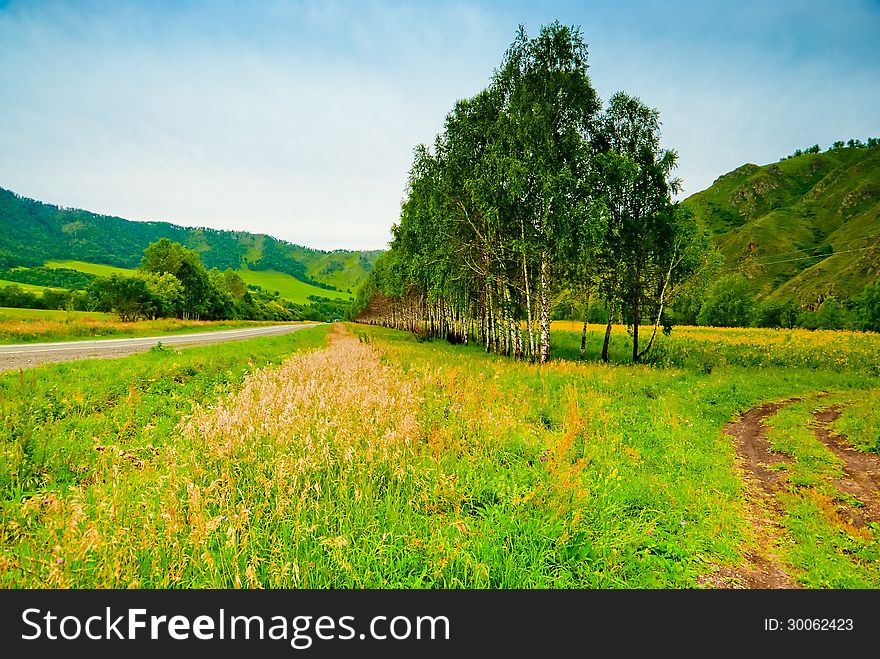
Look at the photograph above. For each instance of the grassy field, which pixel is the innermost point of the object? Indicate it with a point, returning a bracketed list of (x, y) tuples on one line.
[(98, 269), (368, 458), (11, 313), (40, 325), (346, 272), (287, 286), (705, 348)]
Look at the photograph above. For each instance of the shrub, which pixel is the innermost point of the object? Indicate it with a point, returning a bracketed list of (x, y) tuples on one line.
[(728, 304)]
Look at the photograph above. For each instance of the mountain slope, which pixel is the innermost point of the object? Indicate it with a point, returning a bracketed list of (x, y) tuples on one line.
[(32, 233), (804, 228)]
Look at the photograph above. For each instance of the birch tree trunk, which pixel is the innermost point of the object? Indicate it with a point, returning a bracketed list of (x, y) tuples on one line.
[(545, 309)]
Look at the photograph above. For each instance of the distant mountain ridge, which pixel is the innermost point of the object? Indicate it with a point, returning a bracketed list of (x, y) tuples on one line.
[(804, 228), (33, 232)]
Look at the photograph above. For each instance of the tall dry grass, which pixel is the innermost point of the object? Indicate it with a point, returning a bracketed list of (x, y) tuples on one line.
[(245, 492)]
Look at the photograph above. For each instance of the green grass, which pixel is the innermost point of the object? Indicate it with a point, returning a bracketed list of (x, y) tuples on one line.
[(68, 426), (860, 420), (12, 313), (824, 548), (54, 412), (98, 269), (288, 287), (508, 475)]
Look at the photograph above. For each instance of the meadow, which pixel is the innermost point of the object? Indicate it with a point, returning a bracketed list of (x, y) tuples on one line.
[(97, 269), (288, 287), (356, 456), (707, 347)]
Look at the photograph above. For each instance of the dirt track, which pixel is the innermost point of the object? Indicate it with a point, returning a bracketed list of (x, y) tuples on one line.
[(27, 355), (762, 567)]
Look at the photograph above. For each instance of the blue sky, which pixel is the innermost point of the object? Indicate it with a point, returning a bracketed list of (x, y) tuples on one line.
[(298, 119)]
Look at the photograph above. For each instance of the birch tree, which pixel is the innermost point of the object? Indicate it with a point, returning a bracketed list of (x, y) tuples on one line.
[(650, 243), (551, 105)]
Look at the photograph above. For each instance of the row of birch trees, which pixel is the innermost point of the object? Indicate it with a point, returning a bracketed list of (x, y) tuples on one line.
[(532, 188)]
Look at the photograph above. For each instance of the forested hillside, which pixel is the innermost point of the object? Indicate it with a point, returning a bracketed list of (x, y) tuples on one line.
[(32, 232)]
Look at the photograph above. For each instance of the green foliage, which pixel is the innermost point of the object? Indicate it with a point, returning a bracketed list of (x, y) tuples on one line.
[(777, 313), (728, 303), (868, 308), (17, 296), (651, 245), (531, 190), (127, 297), (48, 277), (167, 293), (831, 315)]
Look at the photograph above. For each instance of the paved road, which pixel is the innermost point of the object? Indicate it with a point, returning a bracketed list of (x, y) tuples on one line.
[(25, 355)]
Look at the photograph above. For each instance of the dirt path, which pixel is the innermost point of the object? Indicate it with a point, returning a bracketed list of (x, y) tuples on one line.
[(763, 568), (755, 462), (27, 355), (862, 470)]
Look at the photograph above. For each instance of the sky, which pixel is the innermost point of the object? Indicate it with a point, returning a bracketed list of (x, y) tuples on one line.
[(298, 119)]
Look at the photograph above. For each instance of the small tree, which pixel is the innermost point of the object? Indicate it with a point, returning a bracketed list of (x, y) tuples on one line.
[(167, 292), (729, 303), (164, 256), (832, 315), (867, 306), (777, 313), (127, 297), (650, 244)]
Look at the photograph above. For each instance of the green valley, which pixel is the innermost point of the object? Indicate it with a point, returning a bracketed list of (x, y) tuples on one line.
[(32, 233)]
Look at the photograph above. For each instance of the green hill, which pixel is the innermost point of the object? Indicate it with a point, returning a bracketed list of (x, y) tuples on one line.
[(288, 287), (804, 228), (32, 233)]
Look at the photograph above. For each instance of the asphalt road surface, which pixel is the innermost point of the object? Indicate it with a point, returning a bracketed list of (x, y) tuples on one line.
[(26, 355)]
